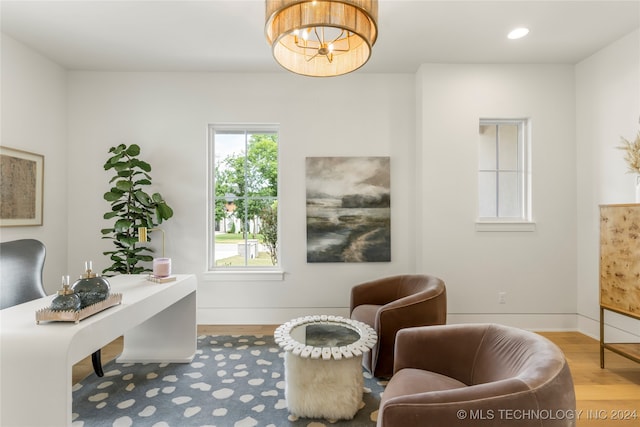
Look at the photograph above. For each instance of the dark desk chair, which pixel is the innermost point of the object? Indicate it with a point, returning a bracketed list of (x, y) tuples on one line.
[(21, 265)]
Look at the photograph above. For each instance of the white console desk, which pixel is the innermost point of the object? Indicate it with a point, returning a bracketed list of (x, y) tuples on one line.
[(158, 321)]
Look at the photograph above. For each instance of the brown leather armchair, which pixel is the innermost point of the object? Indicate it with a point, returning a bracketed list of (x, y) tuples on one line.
[(394, 303), (477, 375)]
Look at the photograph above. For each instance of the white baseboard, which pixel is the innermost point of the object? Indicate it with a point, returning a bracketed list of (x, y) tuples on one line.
[(617, 328), (542, 322), (261, 316), (274, 316)]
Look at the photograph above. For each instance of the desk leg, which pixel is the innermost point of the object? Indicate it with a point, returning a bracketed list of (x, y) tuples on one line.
[(170, 336), (35, 386)]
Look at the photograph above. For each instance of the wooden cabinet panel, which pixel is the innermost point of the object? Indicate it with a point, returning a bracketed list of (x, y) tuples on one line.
[(620, 258), (619, 271)]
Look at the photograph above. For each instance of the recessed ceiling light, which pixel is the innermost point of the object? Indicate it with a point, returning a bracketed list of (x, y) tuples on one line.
[(518, 33)]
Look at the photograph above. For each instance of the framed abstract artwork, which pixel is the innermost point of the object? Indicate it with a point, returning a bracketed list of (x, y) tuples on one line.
[(348, 209), (21, 187)]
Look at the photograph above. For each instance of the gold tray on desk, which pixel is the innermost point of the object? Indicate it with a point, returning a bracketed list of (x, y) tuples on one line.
[(48, 315)]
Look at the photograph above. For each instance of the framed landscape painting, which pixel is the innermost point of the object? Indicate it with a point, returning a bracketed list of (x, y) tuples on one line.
[(348, 209), (21, 187)]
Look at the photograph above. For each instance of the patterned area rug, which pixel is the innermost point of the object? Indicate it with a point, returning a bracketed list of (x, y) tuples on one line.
[(233, 381)]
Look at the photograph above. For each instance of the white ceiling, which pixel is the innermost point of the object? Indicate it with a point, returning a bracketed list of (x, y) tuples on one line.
[(228, 35)]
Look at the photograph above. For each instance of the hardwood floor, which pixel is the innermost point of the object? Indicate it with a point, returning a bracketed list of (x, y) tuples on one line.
[(605, 397), (608, 397)]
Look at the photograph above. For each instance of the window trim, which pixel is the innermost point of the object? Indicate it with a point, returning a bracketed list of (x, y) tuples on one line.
[(246, 275), (505, 226), (525, 221), (242, 273)]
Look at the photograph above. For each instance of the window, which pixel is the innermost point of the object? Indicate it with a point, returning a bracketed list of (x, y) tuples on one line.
[(503, 177), (243, 197)]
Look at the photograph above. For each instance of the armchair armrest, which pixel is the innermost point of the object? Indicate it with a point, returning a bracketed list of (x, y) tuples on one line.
[(491, 393), (488, 404), (421, 309)]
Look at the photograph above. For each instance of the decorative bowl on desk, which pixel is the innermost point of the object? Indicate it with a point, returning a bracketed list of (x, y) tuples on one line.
[(90, 287), (66, 299)]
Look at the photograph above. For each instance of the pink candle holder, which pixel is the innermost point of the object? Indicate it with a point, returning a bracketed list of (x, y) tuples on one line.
[(162, 267)]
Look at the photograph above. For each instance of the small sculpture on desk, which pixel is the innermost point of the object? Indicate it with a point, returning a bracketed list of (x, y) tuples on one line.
[(67, 299), (91, 288)]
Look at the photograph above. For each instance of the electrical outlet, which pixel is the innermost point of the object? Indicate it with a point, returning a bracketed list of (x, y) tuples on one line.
[(502, 297)]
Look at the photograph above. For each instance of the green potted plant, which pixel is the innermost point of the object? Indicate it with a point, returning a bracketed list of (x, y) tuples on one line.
[(131, 207)]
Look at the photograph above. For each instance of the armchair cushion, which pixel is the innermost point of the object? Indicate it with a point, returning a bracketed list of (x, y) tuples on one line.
[(411, 381)]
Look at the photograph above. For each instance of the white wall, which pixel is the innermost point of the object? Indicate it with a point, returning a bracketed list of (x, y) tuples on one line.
[(607, 108), (549, 274), (34, 119), (536, 269), (168, 113)]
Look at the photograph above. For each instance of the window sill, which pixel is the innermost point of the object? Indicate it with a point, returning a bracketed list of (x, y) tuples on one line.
[(505, 226), (243, 276)]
